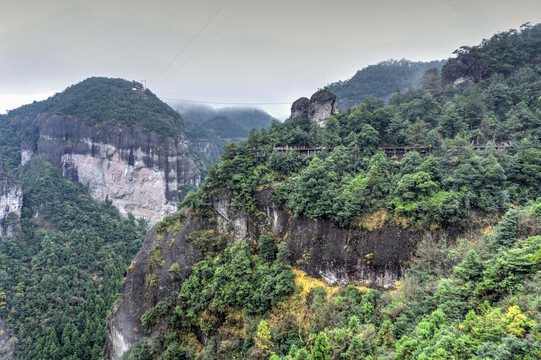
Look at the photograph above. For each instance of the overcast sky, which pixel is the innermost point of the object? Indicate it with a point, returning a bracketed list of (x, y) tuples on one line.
[(231, 51)]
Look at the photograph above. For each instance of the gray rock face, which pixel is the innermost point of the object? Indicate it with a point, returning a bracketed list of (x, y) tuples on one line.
[(299, 107), (148, 281), (139, 173), (320, 106), (321, 249), (209, 149), (11, 202)]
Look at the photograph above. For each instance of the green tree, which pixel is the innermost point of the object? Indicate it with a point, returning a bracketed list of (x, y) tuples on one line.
[(321, 348)]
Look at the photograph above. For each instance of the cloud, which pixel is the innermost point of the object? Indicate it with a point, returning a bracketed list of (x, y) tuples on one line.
[(250, 50)]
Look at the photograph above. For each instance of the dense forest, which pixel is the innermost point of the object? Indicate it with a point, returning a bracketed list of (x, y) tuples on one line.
[(61, 276), (475, 158)]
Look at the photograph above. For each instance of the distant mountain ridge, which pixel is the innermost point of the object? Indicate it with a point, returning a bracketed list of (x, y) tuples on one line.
[(381, 81), (227, 123)]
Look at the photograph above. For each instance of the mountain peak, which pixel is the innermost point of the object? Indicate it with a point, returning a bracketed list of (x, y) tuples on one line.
[(101, 99)]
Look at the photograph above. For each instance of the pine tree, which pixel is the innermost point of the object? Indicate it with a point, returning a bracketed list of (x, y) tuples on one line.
[(321, 348)]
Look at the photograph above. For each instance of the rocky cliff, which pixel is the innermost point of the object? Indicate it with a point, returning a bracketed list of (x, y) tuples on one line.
[(148, 281), (321, 105), (116, 138), (338, 256), (139, 173), (11, 202)]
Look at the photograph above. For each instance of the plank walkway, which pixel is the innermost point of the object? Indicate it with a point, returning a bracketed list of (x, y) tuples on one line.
[(390, 151)]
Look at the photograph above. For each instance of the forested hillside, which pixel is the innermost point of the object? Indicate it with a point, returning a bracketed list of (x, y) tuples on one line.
[(61, 276), (100, 99), (381, 81), (473, 161)]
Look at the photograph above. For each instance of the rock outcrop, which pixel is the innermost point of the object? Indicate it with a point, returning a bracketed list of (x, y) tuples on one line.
[(148, 281), (299, 107), (11, 202), (338, 256), (139, 172), (321, 105), (210, 149)]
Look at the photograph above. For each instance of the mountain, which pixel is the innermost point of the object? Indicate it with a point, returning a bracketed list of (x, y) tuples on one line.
[(506, 53), (65, 246), (209, 130), (115, 137), (226, 123), (407, 230), (381, 81)]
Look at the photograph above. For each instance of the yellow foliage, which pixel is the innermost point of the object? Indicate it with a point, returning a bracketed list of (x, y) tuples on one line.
[(132, 266), (369, 333), (306, 283), (234, 325), (373, 221), (517, 321), (401, 221), (192, 341), (263, 338), (434, 226), (488, 230)]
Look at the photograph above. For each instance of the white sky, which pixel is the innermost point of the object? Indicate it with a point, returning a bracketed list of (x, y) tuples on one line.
[(233, 51)]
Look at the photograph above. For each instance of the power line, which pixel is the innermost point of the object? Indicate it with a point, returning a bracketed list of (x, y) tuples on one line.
[(202, 27), (227, 103), (213, 34)]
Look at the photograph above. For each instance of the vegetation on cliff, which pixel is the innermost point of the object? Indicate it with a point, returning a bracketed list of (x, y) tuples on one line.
[(475, 149), (476, 299), (10, 144), (472, 152), (504, 53), (60, 278)]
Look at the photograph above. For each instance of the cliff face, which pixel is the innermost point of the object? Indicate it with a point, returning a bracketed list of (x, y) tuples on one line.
[(139, 172), (321, 105), (210, 150), (148, 281), (338, 256), (11, 202)]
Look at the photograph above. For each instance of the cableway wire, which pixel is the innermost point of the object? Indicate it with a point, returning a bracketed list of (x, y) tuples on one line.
[(202, 27), (226, 103), (212, 35)]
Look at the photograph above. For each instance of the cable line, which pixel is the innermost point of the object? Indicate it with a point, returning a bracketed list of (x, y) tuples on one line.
[(226, 103), (202, 27)]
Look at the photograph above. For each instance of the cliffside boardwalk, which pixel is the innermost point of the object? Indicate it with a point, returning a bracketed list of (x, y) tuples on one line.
[(390, 151)]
